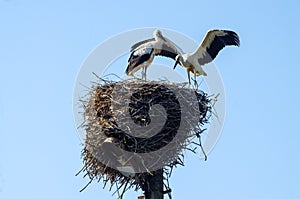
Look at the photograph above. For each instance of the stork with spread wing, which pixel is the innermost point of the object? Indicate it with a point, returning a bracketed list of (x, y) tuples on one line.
[(143, 53), (212, 44)]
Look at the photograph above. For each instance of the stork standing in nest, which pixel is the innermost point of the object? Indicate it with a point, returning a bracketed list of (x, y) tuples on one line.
[(143, 52), (212, 44)]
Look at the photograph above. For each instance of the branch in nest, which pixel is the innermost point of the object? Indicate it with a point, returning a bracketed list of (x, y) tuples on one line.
[(100, 123)]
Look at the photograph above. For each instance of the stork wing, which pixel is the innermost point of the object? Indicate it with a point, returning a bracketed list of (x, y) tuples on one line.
[(137, 58), (213, 43), (169, 49), (138, 44)]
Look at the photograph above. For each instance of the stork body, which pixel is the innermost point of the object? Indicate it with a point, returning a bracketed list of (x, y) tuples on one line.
[(143, 53), (141, 58), (191, 64), (212, 44)]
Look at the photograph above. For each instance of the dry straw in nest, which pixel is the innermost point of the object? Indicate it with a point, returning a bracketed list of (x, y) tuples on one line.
[(119, 112)]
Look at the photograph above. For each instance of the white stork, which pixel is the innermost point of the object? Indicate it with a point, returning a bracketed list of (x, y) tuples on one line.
[(212, 44), (144, 51)]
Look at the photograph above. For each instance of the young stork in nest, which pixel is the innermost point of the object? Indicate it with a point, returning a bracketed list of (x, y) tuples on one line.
[(143, 52), (212, 44)]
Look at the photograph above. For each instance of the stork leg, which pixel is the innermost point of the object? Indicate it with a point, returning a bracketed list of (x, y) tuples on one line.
[(145, 72), (195, 81), (189, 78), (144, 68)]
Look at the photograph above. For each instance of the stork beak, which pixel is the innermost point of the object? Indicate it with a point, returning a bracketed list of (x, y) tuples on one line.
[(175, 64)]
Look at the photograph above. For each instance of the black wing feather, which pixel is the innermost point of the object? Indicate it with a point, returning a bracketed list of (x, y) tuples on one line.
[(136, 60), (168, 52), (219, 42), (136, 45)]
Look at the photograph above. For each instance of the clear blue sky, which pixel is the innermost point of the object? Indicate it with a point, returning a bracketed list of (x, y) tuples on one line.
[(43, 44)]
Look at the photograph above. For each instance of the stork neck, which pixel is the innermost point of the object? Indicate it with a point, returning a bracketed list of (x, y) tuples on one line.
[(184, 61), (185, 57), (157, 37)]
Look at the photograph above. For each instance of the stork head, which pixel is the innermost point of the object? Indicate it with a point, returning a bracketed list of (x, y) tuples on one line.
[(178, 60), (157, 34)]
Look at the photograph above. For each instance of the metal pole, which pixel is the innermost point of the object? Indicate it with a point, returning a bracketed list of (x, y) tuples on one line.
[(154, 188)]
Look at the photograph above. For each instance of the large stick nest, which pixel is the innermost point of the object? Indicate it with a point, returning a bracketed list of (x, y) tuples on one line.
[(119, 112)]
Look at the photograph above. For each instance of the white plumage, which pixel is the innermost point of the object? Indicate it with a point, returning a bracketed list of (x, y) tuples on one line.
[(144, 51), (212, 44)]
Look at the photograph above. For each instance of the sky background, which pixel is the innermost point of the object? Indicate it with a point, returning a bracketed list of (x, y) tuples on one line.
[(44, 43)]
